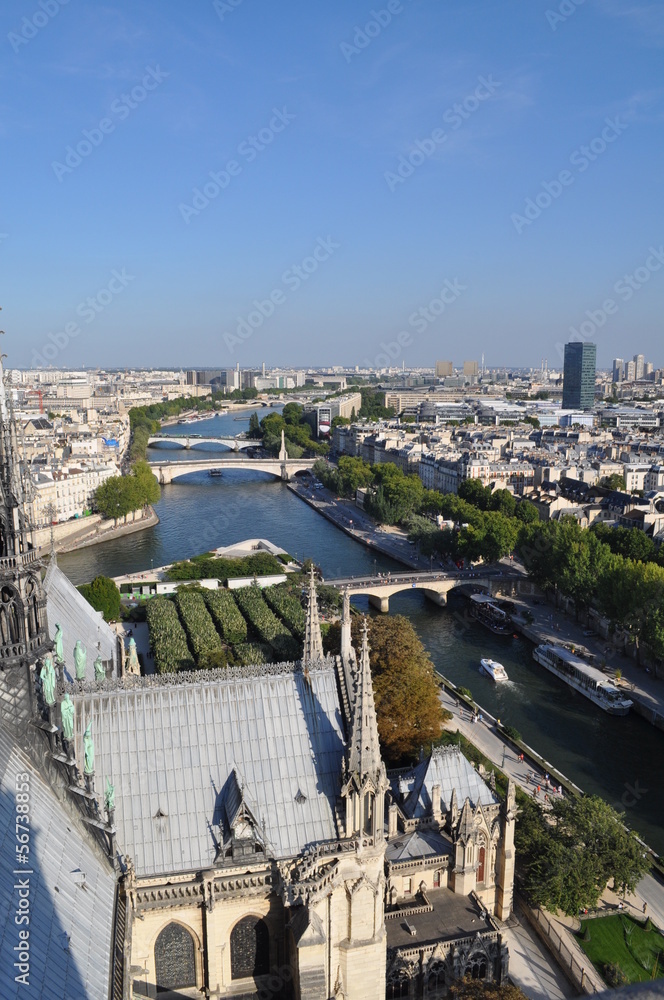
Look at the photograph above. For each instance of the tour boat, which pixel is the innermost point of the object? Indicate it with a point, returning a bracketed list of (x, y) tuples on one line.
[(487, 611), (216, 472), (587, 680), (496, 671)]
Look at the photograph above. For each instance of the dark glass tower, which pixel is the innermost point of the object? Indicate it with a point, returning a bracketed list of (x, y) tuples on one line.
[(579, 376)]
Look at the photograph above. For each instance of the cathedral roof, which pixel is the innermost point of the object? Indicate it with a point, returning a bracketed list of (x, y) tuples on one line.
[(170, 745), (79, 620), (448, 768), (72, 894)]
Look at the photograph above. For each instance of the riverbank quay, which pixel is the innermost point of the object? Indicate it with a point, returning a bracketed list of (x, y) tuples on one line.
[(359, 526), (530, 772), (95, 530)]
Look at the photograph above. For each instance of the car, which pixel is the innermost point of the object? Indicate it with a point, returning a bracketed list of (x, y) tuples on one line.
[(590, 634)]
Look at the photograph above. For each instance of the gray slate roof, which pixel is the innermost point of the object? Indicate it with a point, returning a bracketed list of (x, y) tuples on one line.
[(79, 620), (171, 745), (448, 768), (420, 844), (71, 895)]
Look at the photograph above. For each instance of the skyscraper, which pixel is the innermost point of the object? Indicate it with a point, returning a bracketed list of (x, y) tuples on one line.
[(579, 376), (618, 369), (639, 363)]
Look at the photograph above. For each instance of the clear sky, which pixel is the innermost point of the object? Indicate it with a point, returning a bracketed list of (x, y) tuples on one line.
[(470, 175)]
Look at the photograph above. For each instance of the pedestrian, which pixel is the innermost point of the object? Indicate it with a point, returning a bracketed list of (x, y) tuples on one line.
[(645, 907), (546, 797), (539, 789)]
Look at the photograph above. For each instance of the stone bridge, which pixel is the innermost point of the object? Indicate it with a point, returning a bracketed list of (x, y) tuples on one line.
[(168, 472), (191, 440), (436, 586)]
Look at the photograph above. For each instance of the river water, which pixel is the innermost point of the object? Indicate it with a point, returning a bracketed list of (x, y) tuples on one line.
[(618, 758)]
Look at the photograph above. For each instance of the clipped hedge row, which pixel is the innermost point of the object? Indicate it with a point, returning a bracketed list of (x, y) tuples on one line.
[(167, 637), (226, 616), (265, 623), (203, 636), (287, 607)]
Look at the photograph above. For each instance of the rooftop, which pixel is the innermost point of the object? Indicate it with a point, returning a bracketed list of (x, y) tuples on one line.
[(452, 917)]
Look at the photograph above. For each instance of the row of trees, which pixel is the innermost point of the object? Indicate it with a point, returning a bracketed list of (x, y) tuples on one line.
[(564, 558), (121, 495)]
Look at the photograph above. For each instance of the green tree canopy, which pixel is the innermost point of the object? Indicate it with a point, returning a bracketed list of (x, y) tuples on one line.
[(104, 596)]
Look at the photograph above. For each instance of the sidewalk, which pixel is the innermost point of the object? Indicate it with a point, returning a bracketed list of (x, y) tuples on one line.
[(532, 966)]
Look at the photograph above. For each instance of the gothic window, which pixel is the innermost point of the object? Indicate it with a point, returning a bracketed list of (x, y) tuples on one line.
[(477, 967), (436, 979), (436, 879), (3, 539), (481, 866), (368, 813), (9, 623), (407, 886), (33, 613), (398, 989), (175, 958), (250, 949)]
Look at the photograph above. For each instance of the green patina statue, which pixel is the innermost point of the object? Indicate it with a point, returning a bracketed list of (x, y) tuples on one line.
[(133, 666), (67, 713), (47, 677), (89, 750), (100, 672), (59, 644), (109, 797), (80, 660)]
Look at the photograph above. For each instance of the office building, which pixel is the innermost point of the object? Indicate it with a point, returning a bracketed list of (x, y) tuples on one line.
[(579, 376), (618, 369), (470, 368), (444, 369), (639, 364)]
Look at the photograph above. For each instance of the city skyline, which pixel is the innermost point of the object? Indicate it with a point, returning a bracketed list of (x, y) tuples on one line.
[(441, 176)]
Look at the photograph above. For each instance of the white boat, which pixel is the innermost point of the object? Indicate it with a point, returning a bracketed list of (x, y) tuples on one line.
[(496, 671), (587, 680)]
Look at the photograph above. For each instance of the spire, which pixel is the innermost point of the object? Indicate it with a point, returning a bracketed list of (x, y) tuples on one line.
[(346, 641), (283, 454), (364, 752), (14, 489), (313, 640)]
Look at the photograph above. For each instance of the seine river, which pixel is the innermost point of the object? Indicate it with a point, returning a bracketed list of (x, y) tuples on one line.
[(619, 759)]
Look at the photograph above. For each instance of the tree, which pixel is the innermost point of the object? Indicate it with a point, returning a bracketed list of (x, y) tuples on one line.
[(410, 715), (475, 493), (613, 482), (569, 858), (503, 501), (526, 512), (104, 596), (254, 426)]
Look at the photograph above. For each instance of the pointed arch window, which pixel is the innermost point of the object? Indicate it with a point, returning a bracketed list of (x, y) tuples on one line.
[(250, 949), (9, 617), (175, 958), (482, 864)]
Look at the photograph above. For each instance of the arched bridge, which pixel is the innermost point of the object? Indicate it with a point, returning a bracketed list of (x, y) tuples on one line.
[(436, 586), (192, 440), (167, 472)]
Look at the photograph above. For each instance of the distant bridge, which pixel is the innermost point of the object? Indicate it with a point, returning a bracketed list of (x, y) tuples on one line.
[(191, 440), (282, 468), (436, 586)]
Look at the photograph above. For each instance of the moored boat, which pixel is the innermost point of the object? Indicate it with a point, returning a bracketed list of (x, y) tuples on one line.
[(587, 680), (487, 611)]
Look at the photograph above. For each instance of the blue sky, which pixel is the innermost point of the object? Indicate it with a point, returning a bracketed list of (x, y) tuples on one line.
[(109, 257)]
